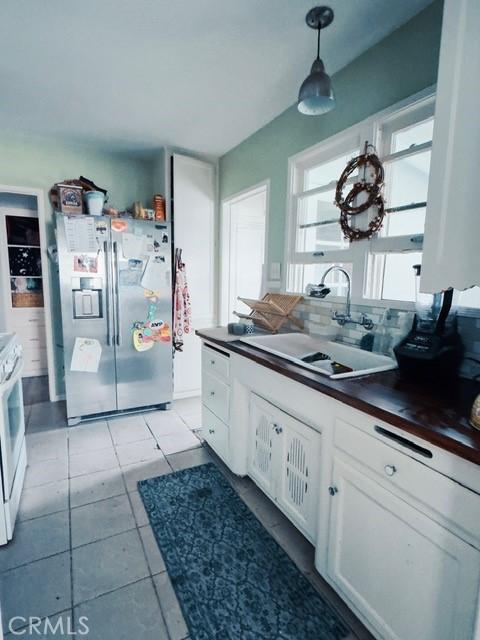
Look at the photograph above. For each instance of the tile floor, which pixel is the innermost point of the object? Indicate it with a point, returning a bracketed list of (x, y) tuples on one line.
[(83, 547)]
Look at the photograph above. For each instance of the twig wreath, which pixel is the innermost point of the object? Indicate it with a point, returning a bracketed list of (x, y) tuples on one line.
[(348, 206)]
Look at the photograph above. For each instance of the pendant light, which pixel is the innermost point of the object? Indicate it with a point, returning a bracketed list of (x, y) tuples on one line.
[(316, 96)]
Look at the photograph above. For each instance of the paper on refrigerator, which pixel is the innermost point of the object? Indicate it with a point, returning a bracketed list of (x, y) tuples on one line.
[(86, 355), (156, 275), (133, 246), (80, 234)]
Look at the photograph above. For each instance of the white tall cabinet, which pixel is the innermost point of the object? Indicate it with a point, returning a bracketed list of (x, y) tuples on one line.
[(193, 212), (452, 230)]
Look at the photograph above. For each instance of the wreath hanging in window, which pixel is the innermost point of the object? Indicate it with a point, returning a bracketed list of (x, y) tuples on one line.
[(348, 206)]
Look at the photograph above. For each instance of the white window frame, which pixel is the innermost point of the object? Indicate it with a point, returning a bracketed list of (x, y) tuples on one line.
[(377, 129)]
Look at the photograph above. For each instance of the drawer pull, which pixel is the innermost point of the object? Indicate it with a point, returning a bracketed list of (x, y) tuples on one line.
[(212, 431), (332, 490), (390, 469), (212, 361), (212, 393), (404, 442)]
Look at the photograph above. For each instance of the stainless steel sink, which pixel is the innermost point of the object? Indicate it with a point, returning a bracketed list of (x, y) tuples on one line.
[(329, 358)]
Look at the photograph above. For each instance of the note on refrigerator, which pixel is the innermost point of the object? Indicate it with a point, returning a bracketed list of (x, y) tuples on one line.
[(156, 275), (80, 234), (133, 246), (86, 355)]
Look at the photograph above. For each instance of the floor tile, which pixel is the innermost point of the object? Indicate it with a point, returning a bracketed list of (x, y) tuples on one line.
[(47, 471), (193, 419), (133, 473), (36, 539), (46, 416), (100, 460), (141, 451), (106, 565), (96, 486), (130, 612), (176, 625), (187, 459), (46, 446), (139, 512), (24, 593), (89, 437), (41, 501), (188, 405), (176, 442), (154, 556), (164, 422), (101, 520), (131, 428), (35, 389)]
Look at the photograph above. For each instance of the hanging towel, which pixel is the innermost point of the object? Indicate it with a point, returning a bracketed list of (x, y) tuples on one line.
[(181, 303)]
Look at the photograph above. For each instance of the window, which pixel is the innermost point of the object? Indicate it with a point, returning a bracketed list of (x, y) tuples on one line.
[(380, 268)]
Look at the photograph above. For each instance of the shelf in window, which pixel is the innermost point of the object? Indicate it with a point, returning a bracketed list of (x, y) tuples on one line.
[(406, 207), (405, 153), (25, 246)]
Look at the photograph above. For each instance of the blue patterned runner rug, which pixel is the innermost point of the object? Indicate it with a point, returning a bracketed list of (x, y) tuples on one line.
[(232, 579)]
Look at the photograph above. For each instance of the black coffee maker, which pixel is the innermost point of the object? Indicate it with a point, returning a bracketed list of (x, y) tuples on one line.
[(432, 350)]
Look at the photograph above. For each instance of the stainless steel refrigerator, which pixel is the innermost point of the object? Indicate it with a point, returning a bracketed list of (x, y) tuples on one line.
[(116, 298)]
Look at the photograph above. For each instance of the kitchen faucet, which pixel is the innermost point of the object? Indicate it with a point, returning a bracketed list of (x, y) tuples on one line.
[(322, 290)]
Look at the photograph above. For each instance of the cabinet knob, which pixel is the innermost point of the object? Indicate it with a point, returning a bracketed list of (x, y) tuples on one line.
[(277, 428), (211, 431), (212, 393), (212, 361), (390, 469), (332, 490)]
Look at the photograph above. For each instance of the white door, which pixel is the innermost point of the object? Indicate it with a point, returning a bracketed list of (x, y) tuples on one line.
[(193, 229), (409, 576), (297, 488), (243, 250), (262, 433)]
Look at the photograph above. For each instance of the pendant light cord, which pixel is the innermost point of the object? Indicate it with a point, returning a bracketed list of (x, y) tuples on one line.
[(318, 43)]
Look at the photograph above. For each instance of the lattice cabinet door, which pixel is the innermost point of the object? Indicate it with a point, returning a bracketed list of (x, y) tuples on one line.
[(262, 433), (297, 489)]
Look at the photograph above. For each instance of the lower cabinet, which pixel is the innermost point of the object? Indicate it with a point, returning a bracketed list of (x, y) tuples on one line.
[(284, 459), (408, 575)]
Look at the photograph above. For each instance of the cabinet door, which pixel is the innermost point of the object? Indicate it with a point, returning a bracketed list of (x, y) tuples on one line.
[(299, 455), (260, 463), (409, 577)]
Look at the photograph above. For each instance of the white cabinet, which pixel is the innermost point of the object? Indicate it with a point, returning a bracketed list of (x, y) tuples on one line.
[(284, 459), (452, 228), (406, 574), (216, 399)]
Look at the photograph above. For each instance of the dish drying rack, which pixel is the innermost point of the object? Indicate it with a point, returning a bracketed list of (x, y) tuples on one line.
[(272, 311)]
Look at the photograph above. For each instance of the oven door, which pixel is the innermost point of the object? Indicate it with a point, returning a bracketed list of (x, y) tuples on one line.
[(12, 427)]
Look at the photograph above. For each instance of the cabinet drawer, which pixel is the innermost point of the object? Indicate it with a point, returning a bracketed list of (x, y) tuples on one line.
[(26, 319), (32, 337), (215, 362), (454, 503), (215, 433), (216, 396)]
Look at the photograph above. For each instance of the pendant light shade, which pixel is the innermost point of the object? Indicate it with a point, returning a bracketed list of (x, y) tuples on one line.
[(316, 95)]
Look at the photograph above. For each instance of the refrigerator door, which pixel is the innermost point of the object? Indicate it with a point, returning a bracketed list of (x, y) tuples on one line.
[(87, 319), (142, 267)]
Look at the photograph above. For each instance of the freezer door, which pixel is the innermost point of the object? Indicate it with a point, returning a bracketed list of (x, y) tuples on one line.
[(143, 342), (86, 300)]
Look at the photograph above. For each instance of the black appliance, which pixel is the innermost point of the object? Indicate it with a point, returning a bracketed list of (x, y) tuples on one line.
[(433, 349)]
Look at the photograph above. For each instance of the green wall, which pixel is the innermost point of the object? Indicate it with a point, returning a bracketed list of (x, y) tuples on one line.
[(40, 162), (399, 66)]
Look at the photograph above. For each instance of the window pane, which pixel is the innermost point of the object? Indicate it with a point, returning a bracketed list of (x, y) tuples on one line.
[(391, 276), (470, 298), (414, 135), (402, 223), (407, 180), (325, 173), (319, 227), (313, 274)]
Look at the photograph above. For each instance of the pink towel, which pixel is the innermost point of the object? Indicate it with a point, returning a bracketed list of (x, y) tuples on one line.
[(181, 303)]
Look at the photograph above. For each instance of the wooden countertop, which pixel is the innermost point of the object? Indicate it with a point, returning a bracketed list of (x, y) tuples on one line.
[(436, 414)]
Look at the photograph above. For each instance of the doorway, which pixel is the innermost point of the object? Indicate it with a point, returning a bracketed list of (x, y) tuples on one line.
[(243, 252)]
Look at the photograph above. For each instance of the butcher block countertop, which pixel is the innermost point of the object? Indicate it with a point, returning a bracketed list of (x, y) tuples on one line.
[(437, 414)]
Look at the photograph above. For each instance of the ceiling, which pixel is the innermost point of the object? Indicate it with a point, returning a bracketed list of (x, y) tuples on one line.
[(202, 75)]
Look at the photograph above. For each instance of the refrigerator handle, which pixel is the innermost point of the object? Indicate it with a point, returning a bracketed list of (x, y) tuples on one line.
[(108, 302), (117, 295)]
